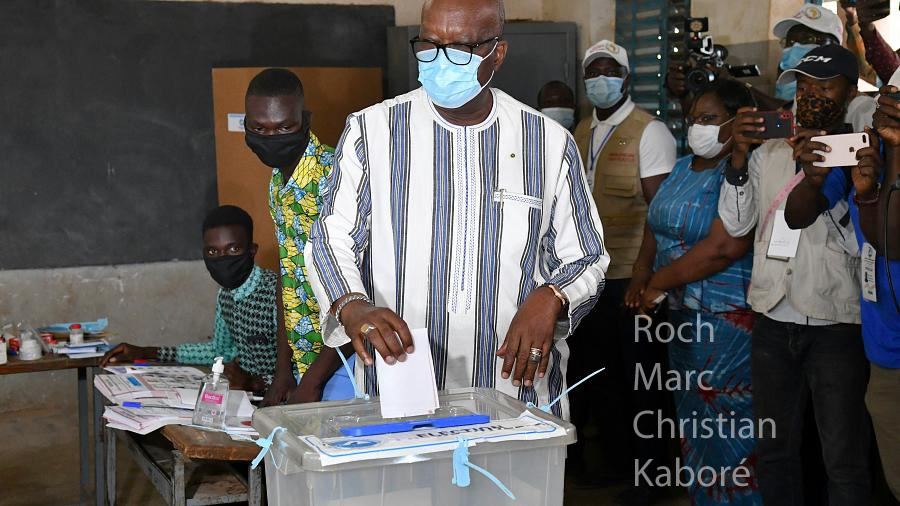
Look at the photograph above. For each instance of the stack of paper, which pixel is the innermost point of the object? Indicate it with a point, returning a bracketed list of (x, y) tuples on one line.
[(123, 387), (154, 413), (87, 349), (156, 396), (408, 388), (145, 420)]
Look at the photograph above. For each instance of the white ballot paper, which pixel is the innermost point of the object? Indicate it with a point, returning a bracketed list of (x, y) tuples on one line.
[(784, 242), (408, 388)]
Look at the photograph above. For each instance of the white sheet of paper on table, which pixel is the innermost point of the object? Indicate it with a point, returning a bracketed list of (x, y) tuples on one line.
[(408, 388)]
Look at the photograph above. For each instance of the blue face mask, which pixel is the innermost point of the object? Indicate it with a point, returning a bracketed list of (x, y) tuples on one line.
[(603, 91), (565, 116), (791, 56), (450, 85), (786, 91)]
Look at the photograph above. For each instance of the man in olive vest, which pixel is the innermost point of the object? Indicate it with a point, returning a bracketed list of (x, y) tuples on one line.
[(627, 153)]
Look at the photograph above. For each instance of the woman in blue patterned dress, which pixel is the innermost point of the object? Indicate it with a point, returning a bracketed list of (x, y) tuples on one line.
[(706, 274)]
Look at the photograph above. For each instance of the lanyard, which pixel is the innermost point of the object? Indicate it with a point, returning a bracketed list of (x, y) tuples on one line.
[(782, 195), (595, 154)]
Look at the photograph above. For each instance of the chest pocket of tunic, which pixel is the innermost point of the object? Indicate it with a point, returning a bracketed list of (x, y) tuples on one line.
[(506, 197)]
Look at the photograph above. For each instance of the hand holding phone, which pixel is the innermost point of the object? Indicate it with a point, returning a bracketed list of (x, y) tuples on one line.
[(747, 124), (808, 152), (887, 117), (777, 125), (843, 149)]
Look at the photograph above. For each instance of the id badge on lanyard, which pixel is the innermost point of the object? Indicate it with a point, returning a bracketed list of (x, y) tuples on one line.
[(867, 272), (784, 241)]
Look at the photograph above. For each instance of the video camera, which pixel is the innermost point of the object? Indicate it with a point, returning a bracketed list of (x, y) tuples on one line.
[(708, 56)]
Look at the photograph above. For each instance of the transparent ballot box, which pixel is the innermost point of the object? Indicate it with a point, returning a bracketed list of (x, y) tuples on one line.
[(312, 463)]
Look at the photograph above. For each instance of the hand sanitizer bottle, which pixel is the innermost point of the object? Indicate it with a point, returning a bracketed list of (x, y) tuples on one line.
[(213, 397)]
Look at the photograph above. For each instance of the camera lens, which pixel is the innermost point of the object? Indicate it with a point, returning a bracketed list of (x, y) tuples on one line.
[(699, 78)]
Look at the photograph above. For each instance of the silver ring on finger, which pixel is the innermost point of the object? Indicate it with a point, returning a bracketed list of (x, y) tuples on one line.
[(535, 355)]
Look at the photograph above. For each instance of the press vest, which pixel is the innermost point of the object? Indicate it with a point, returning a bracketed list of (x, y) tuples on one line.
[(617, 189), (822, 280)]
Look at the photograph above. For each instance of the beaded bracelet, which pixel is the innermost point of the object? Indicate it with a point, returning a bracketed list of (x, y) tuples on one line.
[(870, 202)]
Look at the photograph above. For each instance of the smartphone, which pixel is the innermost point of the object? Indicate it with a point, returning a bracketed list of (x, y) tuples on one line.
[(779, 125), (744, 71), (843, 149)]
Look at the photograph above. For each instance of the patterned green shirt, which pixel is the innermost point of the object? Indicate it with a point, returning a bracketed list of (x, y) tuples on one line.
[(294, 207), (246, 327)]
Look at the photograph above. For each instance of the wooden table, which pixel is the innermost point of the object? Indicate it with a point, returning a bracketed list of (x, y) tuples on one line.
[(57, 363), (169, 467)]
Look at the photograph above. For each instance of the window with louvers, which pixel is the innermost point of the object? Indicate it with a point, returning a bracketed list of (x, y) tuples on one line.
[(652, 31)]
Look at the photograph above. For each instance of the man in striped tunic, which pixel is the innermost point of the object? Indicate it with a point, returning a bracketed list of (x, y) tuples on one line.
[(458, 209)]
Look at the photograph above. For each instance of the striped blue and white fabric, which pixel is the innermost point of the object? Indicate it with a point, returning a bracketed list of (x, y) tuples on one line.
[(452, 228)]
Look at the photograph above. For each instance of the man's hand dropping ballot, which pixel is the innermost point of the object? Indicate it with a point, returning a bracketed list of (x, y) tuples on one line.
[(408, 388)]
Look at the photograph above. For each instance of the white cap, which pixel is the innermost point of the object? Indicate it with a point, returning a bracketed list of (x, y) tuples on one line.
[(606, 49), (218, 367), (815, 17)]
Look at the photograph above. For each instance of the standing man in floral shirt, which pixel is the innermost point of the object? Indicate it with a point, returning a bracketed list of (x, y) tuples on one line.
[(278, 131)]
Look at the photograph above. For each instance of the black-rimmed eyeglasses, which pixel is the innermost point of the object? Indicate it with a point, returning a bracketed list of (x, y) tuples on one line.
[(427, 51)]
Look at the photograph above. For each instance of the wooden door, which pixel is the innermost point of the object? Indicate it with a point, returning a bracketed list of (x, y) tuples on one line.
[(331, 94)]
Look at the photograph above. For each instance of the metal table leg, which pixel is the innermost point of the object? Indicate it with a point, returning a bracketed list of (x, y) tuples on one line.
[(254, 486), (83, 435), (99, 449), (110, 438), (178, 498)]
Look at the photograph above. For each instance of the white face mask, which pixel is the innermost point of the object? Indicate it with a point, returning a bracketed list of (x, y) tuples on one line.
[(565, 116), (704, 139)]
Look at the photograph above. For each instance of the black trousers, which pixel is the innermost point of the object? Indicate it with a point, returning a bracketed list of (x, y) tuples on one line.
[(603, 408), (790, 364)]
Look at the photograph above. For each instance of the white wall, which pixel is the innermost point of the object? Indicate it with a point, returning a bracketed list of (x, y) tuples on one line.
[(596, 19)]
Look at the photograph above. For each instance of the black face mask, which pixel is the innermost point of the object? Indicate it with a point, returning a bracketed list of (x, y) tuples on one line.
[(281, 151), (230, 271)]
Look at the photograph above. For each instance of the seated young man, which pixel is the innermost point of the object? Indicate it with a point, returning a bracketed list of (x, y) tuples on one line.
[(245, 327)]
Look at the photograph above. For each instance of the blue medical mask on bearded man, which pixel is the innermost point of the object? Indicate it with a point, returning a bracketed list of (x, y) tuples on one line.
[(604, 91), (450, 85), (790, 58)]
